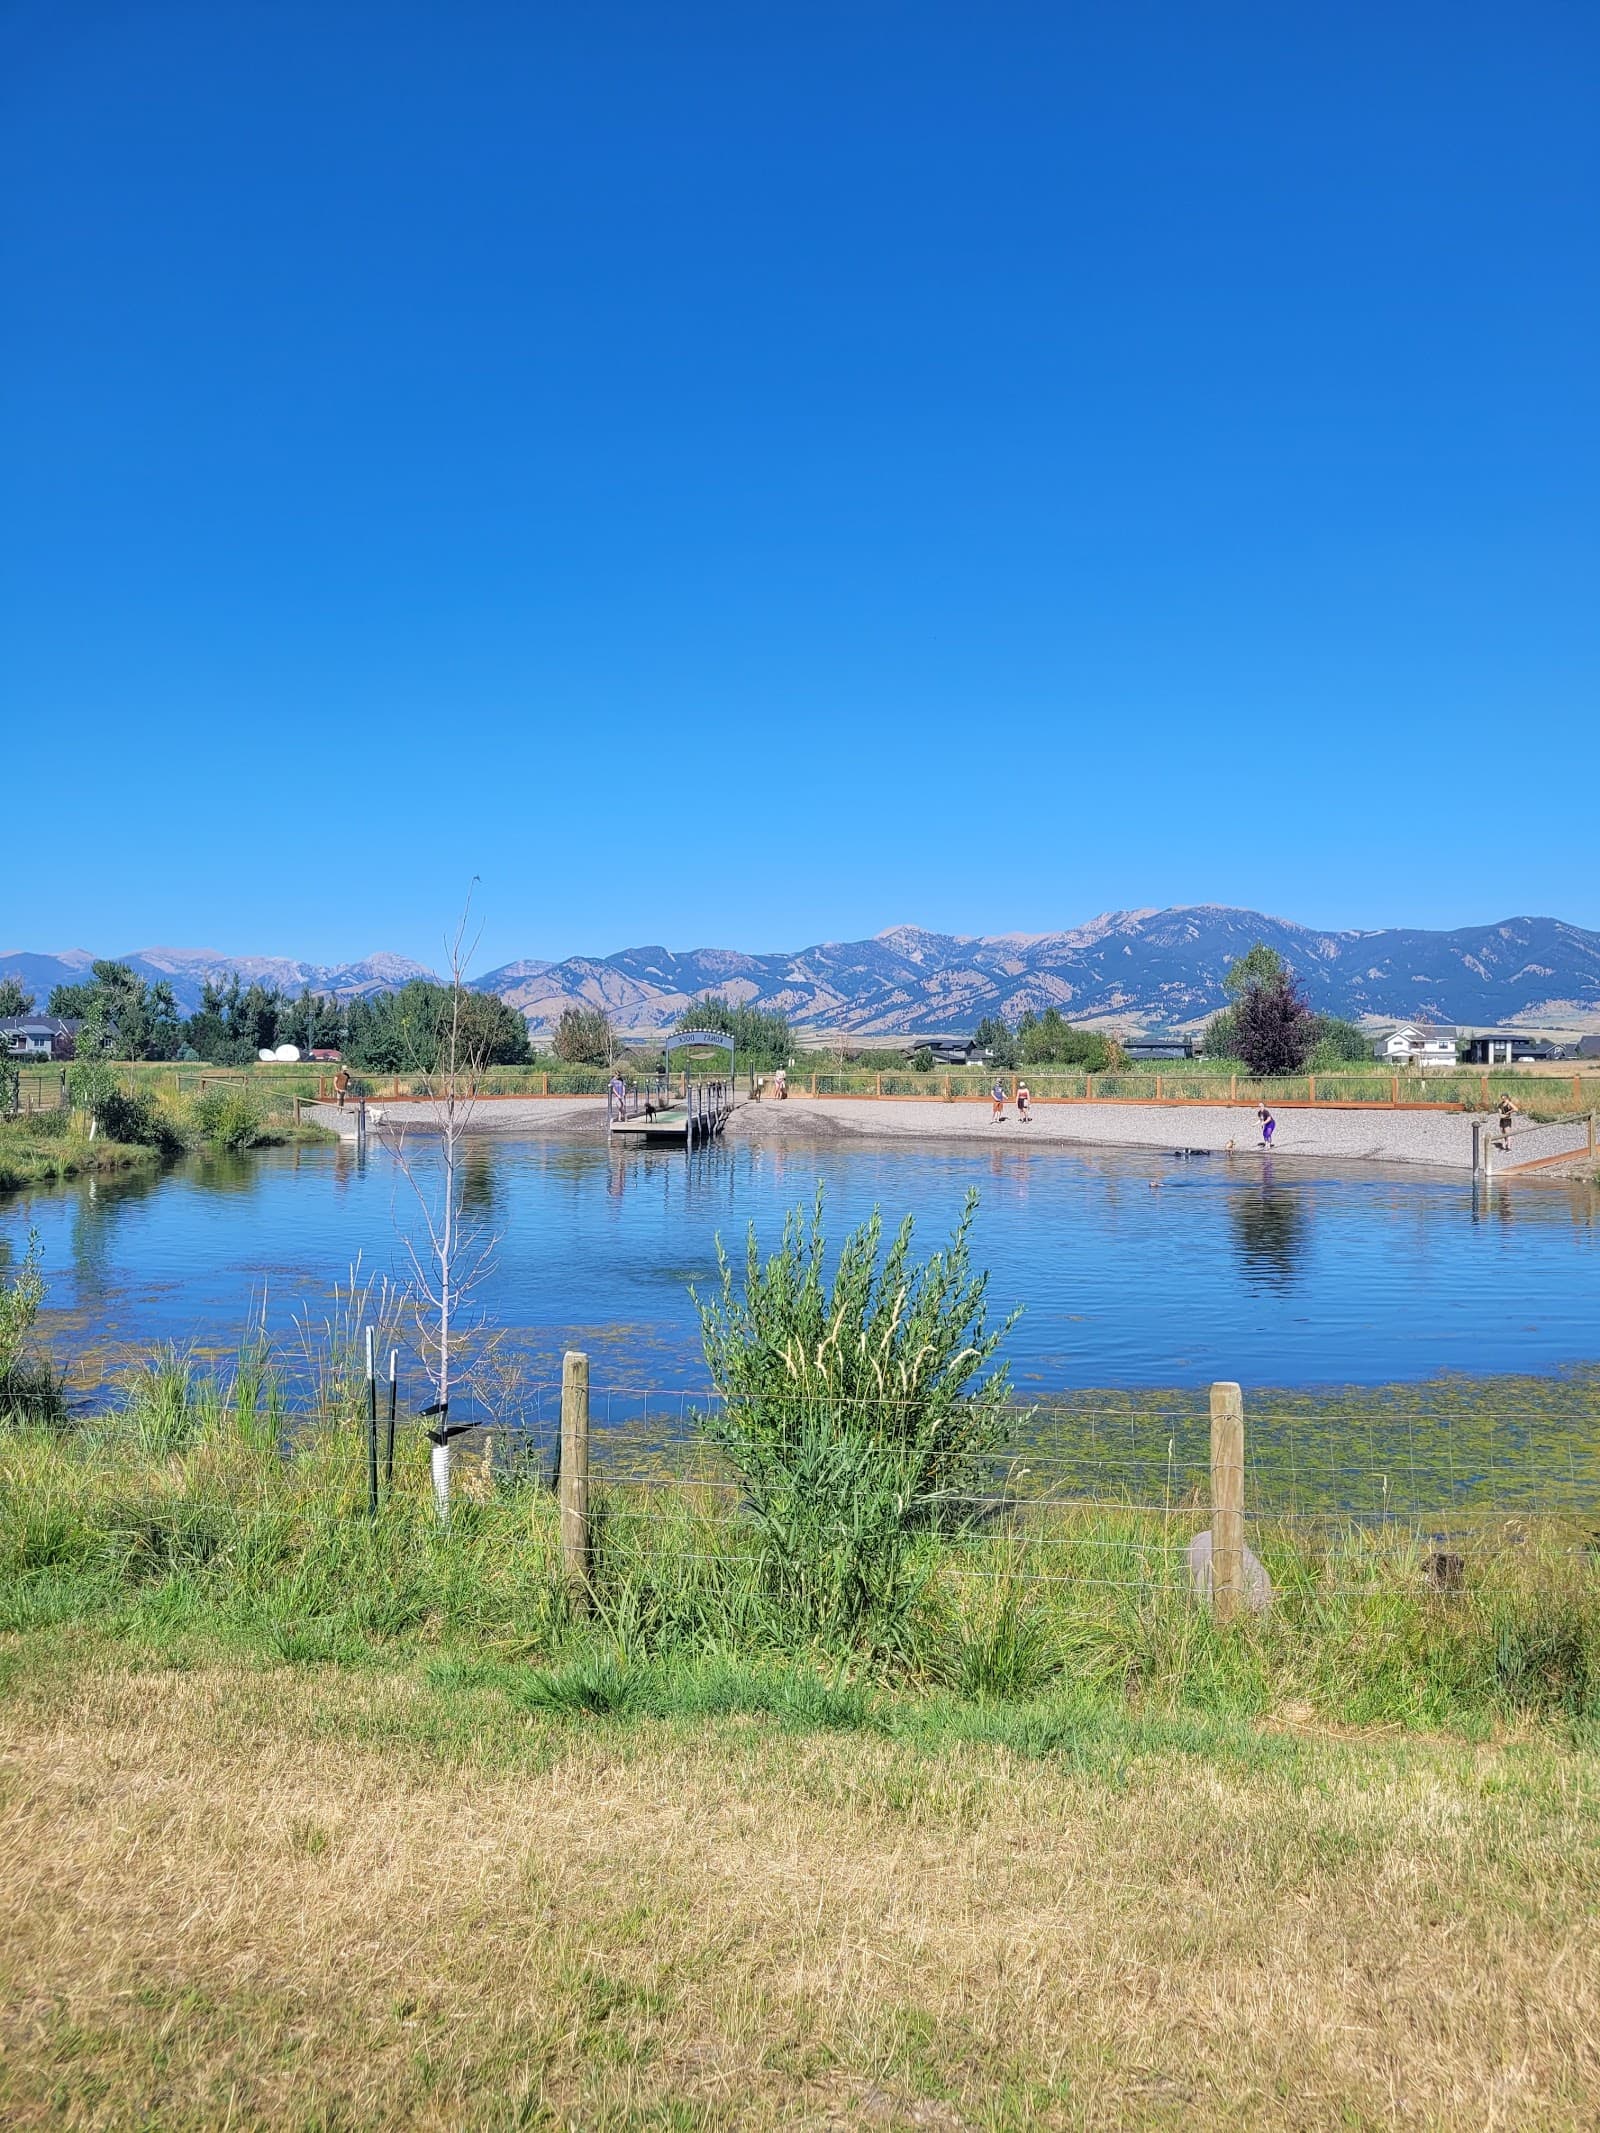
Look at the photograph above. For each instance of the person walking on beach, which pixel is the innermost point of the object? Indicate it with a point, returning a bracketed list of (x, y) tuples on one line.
[(619, 1097), (998, 1114), (1508, 1111), (341, 1085), (1024, 1104)]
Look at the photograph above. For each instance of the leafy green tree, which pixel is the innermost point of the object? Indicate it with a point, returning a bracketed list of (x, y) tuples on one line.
[(407, 1032), (763, 1037), (234, 1022), (1261, 965), (124, 1017), (1339, 1043), (1220, 1038), (13, 1000), (1050, 1040), (584, 1037), (314, 1022), (995, 1036)]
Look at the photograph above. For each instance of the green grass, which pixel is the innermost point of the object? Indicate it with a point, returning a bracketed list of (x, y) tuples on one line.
[(177, 1529)]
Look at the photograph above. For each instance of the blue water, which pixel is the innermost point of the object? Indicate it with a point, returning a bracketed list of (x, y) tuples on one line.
[(1287, 1276)]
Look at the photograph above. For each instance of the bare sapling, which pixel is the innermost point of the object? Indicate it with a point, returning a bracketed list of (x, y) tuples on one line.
[(450, 1254)]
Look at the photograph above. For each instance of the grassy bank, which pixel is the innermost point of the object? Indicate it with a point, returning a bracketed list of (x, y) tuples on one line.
[(178, 1529), (291, 1895), (44, 1147), (315, 1822)]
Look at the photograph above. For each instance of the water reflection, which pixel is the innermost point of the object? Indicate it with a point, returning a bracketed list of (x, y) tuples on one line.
[(1270, 1230), (1228, 1271)]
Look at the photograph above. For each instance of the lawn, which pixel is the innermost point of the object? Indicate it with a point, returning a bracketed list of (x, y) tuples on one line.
[(283, 1896)]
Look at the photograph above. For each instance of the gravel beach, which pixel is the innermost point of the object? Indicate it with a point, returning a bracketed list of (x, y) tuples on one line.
[(1442, 1139)]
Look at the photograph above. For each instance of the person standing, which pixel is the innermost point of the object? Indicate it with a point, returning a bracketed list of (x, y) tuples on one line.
[(780, 1086), (1024, 1103), (1269, 1126), (341, 1084), (997, 1115), (619, 1097), (1508, 1111)]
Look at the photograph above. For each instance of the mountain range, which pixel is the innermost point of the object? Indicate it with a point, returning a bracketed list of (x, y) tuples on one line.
[(1128, 970)]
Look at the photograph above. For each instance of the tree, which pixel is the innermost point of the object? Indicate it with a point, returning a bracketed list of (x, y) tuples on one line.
[(451, 1026), (1050, 1040), (123, 1016), (13, 1000), (1339, 1043), (584, 1037), (995, 1036), (1260, 966), (1276, 1029), (1220, 1038), (233, 1023), (762, 1037), (408, 1032)]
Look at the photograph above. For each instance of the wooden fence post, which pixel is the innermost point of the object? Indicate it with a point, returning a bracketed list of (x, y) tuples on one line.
[(1233, 1088), (1227, 1501), (1311, 1088), (1483, 1090), (575, 1478), (1394, 1090), (878, 1091), (1088, 1086), (545, 1091), (1158, 1088)]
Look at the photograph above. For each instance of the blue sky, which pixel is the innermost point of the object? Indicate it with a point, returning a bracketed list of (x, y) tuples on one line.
[(753, 475)]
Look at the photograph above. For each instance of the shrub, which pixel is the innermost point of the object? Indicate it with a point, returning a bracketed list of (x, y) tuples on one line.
[(228, 1117), (28, 1385), (852, 1411)]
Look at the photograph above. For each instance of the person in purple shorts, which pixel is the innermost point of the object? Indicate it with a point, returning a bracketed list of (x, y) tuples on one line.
[(1269, 1126)]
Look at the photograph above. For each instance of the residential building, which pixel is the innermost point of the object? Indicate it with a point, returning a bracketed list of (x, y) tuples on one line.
[(37, 1036), (1170, 1047), (1416, 1044), (1501, 1047)]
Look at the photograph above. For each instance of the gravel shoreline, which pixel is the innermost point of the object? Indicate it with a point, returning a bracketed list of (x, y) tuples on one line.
[(1440, 1139)]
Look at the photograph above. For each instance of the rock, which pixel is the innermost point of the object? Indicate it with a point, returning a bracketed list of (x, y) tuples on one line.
[(1257, 1593)]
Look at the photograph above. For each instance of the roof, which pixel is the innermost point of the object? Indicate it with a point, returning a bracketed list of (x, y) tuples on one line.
[(36, 1026), (1429, 1032)]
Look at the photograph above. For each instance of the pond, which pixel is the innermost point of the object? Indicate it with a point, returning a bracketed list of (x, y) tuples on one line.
[(1286, 1275)]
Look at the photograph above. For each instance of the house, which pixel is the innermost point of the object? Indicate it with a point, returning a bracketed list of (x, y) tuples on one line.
[(1174, 1047), (949, 1051), (1502, 1047), (37, 1037), (1416, 1044), (1588, 1047)]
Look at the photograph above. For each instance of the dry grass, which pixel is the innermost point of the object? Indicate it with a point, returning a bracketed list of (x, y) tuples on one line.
[(317, 1900)]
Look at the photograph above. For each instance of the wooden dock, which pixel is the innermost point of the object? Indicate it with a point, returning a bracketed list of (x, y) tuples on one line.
[(680, 1108), (689, 1118)]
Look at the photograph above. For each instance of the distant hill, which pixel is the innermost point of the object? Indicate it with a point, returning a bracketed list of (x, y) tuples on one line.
[(1126, 970), (186, 969)]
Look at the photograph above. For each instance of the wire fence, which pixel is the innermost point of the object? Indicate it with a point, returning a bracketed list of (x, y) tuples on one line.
[(1343, 1490)]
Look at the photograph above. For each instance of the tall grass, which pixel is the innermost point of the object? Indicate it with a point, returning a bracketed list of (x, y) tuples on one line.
[(199, 1513)]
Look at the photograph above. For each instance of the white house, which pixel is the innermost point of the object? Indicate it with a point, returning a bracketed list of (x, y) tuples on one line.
[(37, 1036), (1416, 1044)]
